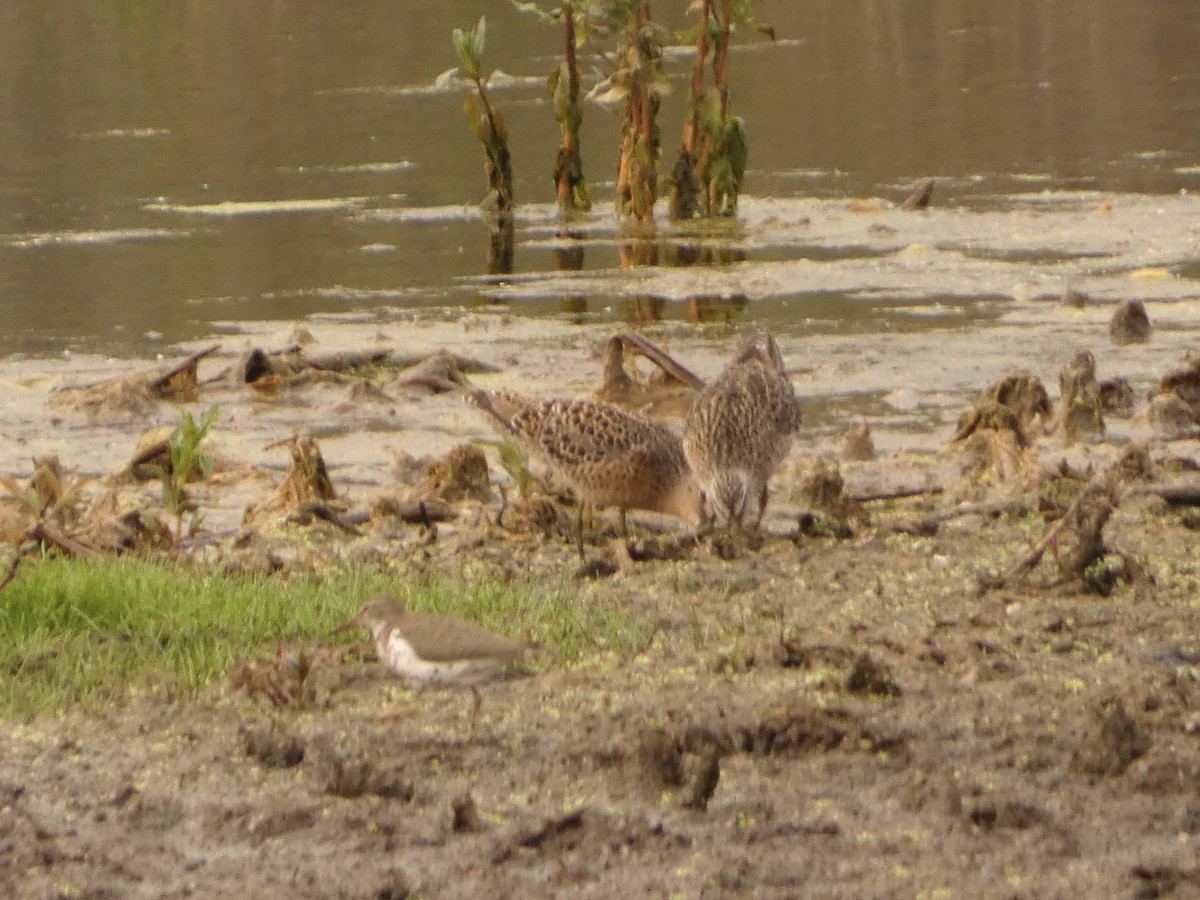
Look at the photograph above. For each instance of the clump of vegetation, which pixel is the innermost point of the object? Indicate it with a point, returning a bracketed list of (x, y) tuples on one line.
[(570, 186), (87, 631), (640, 77), (282, 679), (488, 126), (486, 122), (707, 176), (188, 462)]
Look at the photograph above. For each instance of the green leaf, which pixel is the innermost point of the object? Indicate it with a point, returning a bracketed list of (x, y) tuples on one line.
[(479, 37), (469, 46), (533, 9), (762, 28)]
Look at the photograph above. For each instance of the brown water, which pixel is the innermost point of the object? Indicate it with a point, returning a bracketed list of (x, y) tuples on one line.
[(150, 152)]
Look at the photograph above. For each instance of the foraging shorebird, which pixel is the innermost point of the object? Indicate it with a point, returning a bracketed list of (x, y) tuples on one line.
[(739, 430), (434, 648), (610, 457)]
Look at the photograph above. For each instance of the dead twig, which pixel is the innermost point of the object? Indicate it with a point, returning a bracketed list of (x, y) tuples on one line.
[(1086, 516), (635, 342), (162, 384)]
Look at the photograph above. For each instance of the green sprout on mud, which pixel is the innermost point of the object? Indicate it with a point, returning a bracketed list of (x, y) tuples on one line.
[(188, 462), (517, 467)]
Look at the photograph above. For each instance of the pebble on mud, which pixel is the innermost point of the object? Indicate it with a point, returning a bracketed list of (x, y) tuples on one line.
[(464, 816), (1130, 323), (271, 746), (871, 678), (1081, 415), (1111, 742), (704, 782), (462, 474)]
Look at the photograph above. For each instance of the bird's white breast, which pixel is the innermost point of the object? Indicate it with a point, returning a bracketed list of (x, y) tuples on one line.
[(400, 656)]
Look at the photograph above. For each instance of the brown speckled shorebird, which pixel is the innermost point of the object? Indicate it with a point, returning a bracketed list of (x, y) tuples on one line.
[(610, 457), (740, 429), (434, 648)]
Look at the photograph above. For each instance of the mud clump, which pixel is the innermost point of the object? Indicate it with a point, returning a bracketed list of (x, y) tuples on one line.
[(1175, 409), (1024, 407), (307, 482), (121, 400), (276, 822), (920, 196), (1074, 299), (151, 459), (871, 678), (801, 727), (1130, 324), (1082, 414), (271, 745), (824, 489), (856, 444), (1111, 743), (464, 816), (668, 391), (704, 782), (349, 774), (661, 758), (462, 474), (1117, 397), (991, 814), (1171, 416)]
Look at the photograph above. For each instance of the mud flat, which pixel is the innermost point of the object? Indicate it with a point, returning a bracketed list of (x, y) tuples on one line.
[(965, 664)]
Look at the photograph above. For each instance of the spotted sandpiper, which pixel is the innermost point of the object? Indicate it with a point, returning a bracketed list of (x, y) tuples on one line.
[(434, 648)]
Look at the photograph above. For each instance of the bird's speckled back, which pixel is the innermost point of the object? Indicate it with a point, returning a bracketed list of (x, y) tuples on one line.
[(740, 427)]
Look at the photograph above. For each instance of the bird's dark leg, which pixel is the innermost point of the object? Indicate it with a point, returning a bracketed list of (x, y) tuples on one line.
[(762, 507)]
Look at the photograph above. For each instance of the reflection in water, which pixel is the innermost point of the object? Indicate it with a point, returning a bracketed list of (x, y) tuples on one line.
[(683, 254), (638, 246), (644, 310), (500, 245), (569, 254), (714, 310)]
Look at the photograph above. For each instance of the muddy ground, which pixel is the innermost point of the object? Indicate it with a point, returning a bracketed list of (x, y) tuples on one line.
[(858, 704), (882, 728)]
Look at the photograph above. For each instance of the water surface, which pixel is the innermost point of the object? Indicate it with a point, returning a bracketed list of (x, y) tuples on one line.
[(170, 166)]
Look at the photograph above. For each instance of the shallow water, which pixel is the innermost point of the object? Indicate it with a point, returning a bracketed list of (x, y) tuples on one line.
[(172, 166)]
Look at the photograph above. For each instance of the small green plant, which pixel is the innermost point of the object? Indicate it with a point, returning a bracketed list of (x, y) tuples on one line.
[(640, 77), (486, 123), (517, 467), (707, 176), (571, 188), (188, 462)]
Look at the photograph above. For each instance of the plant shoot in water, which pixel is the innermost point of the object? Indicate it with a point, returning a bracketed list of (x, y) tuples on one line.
[(486, 123)]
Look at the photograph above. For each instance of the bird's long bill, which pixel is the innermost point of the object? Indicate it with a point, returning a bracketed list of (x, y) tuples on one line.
[(347, 625)]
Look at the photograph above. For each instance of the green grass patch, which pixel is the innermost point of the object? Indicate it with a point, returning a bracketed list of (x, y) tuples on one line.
[(74, 632)]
